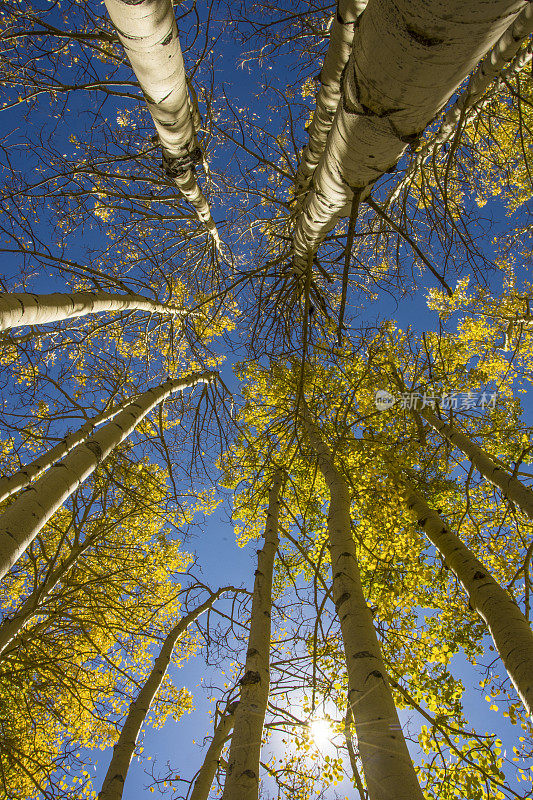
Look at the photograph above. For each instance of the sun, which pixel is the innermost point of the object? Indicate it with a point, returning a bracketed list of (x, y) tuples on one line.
[(321, 732)]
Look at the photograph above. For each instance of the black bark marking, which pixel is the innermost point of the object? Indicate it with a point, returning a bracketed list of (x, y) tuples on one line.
[(167, 39), (478, 576), (423, 38), (342, 599), (250, 678), (250, 774), (95, 449), (363, 654), (375, 674)]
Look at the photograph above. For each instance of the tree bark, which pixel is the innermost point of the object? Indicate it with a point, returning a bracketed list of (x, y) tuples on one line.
[(468, 103), (206, 775), (327, 100), (408, 57), (508, 627), (113, 785), (149, 35), (387, 766), (511, 487), (39, 309), (20, 479), (242, 775), (22, 521)]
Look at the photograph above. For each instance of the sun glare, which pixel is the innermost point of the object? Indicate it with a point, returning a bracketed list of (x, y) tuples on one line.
[(321, 732)]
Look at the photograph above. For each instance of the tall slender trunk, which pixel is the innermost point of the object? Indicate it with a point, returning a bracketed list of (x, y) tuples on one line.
[(242, 775), (408, 57), (509, 628), (39, 309), (206, 774), (24, 518), (12, 626), (468, 103), (113, 784), (148, 32), (511, 487), (10, 484), (327, 100), (387, 765)]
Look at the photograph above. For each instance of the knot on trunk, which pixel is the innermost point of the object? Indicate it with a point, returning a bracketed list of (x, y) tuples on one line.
[(342, 599), (249, 678), (363, 654), (95, 449), (174, 166), (423, 38), (479, 575)]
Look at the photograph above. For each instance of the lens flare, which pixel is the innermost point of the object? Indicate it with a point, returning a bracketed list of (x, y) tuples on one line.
[(321, 732)]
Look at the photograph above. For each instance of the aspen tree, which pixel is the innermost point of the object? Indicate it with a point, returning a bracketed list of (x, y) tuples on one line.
[(242, 775), (327, 99), (149, 35), (509, 628), (387, 766), (10, 484), (39, 309), (113, 784), (78, 660), (22, 521), (425, 50), (206, 773), (12, 626), (474, 98), (512, 488)]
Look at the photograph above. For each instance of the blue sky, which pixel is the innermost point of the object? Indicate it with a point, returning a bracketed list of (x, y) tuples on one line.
[(222, 561)]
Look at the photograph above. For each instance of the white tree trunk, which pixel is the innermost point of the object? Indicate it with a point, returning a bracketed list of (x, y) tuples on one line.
[(39, 309), (327, 100), (511, 487), (113, 785), (18, 480), (242, 775), (480, 81), (509, 628), (408, 57), (387, 765), (148, 32), (206, 774), (24, 518)]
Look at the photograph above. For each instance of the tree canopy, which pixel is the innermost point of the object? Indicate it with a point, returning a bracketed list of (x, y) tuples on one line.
[(266, 287)]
